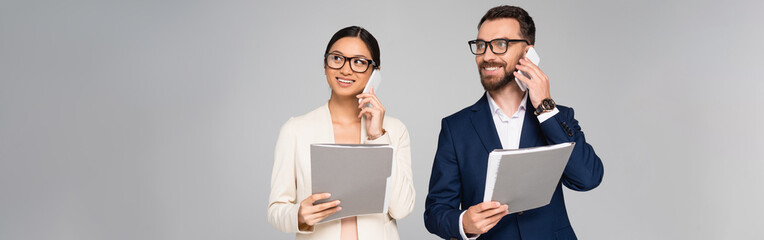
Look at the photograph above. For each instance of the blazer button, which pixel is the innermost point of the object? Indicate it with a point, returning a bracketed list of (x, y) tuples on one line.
[(520, 213)]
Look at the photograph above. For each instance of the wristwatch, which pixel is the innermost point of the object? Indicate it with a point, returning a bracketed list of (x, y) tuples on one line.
[(546, 105)]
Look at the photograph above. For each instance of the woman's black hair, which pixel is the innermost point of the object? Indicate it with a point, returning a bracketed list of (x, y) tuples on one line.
[(365, 36)]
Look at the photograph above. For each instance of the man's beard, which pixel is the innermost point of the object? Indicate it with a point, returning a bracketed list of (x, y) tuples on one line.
[(489, 85)]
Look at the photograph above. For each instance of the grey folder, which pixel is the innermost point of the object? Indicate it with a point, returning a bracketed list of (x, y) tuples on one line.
[(525, 178), (356, 174)]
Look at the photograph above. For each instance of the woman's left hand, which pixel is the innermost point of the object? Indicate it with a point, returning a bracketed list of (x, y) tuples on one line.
[(374, 114)]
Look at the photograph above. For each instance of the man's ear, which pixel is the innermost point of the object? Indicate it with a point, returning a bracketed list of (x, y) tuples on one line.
[(526, 49)]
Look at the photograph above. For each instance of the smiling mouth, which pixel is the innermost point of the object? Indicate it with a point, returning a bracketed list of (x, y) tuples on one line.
[(491, 66), (345, 81)]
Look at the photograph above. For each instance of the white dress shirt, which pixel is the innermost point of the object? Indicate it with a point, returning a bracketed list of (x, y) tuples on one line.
[(509, 130)]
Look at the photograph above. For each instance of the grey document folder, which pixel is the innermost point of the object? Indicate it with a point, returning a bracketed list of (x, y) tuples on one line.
[(356, 174), (525, 178)]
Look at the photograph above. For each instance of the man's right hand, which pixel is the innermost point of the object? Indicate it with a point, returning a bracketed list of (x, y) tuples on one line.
[(310, 214), (481, 217)]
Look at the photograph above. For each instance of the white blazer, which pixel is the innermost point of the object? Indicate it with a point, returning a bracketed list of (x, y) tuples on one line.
[(291, 179)]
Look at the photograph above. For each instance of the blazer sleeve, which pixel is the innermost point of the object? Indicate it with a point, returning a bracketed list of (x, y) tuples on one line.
[(584, 170), (402, 194), (283, 206), (441, 215)]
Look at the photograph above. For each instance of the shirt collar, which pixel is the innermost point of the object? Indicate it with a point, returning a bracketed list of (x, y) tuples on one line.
[(495, 107)]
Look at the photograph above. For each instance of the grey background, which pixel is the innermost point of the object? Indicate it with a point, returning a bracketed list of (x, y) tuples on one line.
[(157, 119)]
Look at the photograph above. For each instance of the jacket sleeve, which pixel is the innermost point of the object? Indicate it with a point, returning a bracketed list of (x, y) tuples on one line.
[(584, 170), (441, 215), (283, 206), (402, 194)]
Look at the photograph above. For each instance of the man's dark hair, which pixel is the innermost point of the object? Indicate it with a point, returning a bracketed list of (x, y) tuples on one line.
[(359, 32), (527, 27)]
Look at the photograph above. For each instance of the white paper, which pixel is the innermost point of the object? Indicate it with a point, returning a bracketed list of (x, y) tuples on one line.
[(358, 175), (525, 178)]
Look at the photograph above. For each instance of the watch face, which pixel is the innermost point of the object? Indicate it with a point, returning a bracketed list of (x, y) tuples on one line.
[(548, 104)]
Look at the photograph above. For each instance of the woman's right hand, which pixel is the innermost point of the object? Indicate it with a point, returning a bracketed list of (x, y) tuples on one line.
[(310, 214)]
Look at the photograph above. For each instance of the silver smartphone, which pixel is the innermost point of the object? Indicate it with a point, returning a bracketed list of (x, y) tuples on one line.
[(534, 57), (374, 80)]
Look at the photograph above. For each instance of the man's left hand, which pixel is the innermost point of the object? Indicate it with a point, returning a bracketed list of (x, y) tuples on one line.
[(538, 84)]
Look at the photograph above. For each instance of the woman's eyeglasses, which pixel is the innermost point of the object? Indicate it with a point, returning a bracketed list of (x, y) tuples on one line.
[(357, 64)]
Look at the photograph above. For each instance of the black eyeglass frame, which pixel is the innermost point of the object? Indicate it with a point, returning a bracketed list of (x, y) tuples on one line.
[(490, 44), (371, 63)]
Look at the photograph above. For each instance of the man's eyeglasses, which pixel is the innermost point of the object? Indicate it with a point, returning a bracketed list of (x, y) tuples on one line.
[(357, 64), (498, 46)]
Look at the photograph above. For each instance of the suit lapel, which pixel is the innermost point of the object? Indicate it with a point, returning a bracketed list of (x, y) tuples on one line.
[(482, 121), (531, 131)]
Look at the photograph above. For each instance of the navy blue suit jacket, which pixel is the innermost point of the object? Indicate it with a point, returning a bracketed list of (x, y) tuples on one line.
[(458, 173)]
